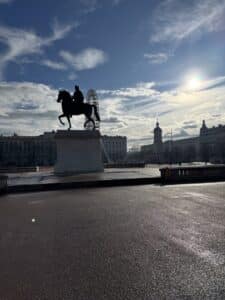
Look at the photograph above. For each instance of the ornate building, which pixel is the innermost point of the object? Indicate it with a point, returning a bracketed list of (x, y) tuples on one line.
[(114, 148), (209, 146), (26, 151), (212, 143), (154, 153)]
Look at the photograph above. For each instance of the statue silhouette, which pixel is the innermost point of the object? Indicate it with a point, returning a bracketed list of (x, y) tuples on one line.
[(70, 108), (78, 96)]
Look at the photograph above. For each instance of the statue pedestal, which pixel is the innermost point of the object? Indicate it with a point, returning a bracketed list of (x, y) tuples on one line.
[(78, 151)]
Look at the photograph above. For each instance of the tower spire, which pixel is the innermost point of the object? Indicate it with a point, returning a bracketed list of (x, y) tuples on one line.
[(204, 128), (157, 134)]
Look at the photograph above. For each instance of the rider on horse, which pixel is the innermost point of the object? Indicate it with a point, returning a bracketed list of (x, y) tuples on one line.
[(78, 97), (77, 107)]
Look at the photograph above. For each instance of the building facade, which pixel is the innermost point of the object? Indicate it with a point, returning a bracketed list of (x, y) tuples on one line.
[(26, 151), (114, 148), (209, 146)]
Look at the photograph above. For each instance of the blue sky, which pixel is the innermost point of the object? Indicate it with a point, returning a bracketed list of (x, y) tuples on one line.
[(146, 59)]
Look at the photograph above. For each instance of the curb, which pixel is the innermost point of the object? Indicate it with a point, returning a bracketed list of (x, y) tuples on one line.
[(190, 181), (82, 184), (30, 188)]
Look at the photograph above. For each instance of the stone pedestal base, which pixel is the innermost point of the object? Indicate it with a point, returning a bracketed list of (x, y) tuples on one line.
[(78, 152)]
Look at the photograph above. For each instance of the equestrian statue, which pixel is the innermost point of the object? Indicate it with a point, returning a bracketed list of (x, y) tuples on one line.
[(74, 105)]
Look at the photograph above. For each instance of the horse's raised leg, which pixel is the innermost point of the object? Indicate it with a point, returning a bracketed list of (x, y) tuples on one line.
[(59, 117), (68, 118)]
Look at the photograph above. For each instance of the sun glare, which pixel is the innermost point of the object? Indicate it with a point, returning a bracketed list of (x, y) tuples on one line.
[(193, 82)]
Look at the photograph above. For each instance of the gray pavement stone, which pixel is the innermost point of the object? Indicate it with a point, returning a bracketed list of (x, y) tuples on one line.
[(143, 242)]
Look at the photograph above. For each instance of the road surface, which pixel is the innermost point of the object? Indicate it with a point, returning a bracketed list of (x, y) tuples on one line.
[(144, 242)]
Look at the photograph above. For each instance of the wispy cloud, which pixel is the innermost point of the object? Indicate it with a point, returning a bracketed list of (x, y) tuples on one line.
[(86, 59), (143, 89), (23, 42), (129, 111), (53, 64), (156, 58), (72, 76), (206, 84), (139, 107), (89, 5), (175, 20), (111, 120)]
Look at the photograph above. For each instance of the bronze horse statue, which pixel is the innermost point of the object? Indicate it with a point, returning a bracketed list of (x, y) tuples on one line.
[(70, 108)]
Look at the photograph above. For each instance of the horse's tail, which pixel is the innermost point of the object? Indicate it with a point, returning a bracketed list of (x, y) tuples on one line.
[(96, 112)]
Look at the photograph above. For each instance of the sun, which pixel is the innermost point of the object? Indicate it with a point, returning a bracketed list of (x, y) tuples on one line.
[(193, 82)]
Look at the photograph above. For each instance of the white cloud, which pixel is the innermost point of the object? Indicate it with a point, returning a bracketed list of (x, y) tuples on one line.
[(142, 89), (175, 20), (60, 31), (156, 58), (23, 42), (87, 59), (53, 64), (39, 95), (27, 108), (139, 107), (31, 108), (210, 83)]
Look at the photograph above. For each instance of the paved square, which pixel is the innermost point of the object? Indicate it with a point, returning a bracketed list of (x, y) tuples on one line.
[(144, 242)]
